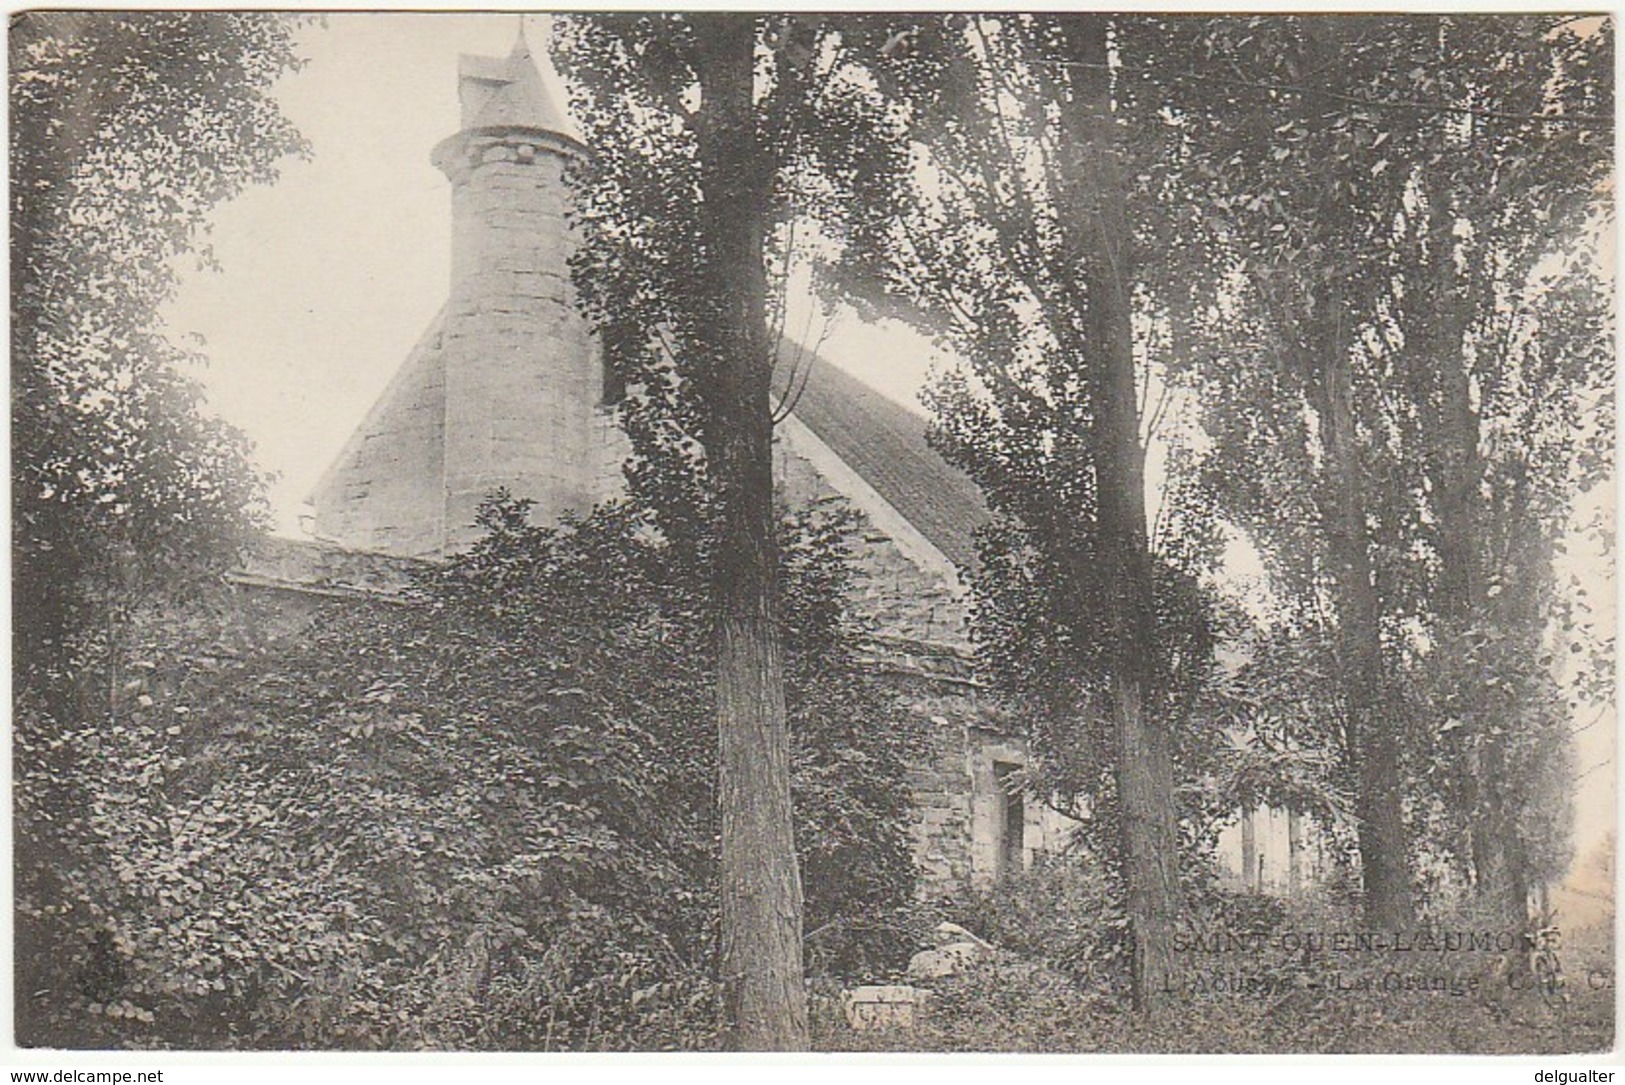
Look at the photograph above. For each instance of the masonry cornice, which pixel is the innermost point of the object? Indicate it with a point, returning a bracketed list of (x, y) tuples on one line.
[(459, 155)]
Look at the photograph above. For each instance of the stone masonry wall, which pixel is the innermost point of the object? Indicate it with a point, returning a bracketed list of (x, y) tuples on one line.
[(959, 828), (941, 832), (898, 598)]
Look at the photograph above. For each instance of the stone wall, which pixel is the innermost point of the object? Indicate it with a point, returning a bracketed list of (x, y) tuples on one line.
[(941, 786), (907, 591), (961, 828), (916, 614), (325, 571)]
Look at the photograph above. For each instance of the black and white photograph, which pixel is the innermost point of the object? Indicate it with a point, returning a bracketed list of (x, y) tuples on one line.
[(1068, 532)]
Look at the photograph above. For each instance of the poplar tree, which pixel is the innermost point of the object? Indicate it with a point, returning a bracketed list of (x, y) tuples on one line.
[(1380, 385), (712, 136), (1029, 243)]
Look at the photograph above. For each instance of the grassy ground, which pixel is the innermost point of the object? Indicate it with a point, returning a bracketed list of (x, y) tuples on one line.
[(1256, 1003)]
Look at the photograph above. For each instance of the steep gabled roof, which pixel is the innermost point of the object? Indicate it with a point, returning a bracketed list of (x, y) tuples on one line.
[(880, 441), (884, 443)]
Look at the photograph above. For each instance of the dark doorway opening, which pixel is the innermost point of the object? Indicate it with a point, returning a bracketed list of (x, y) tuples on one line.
[(1013, 822)]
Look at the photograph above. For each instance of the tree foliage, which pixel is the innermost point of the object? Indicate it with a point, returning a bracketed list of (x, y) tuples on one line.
[(126, 130), (1343, 231), (1390, 427), (639, 201)]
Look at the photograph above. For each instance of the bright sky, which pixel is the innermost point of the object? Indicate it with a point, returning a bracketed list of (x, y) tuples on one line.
[(330, 275)]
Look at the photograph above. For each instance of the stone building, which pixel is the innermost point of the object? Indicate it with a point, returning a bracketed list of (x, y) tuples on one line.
[(1271, 850), (506, 388)]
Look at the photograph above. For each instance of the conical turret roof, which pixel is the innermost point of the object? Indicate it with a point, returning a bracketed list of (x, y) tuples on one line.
[(509, 93)]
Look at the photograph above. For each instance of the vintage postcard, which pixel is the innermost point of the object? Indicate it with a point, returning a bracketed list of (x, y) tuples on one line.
[(1067, 532)]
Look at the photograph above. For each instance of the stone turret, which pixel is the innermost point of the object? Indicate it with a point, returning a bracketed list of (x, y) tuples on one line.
[(506, 388)]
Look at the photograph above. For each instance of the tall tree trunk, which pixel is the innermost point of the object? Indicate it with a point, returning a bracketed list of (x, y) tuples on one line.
[(1145, 774), (1294, 854), (1371, 737), (1461, 595), (1249, 850), (761, 884)]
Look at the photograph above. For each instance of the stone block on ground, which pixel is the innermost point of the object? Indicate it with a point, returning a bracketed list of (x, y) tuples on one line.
[(930, 964), (946, 934), (889, 1006)]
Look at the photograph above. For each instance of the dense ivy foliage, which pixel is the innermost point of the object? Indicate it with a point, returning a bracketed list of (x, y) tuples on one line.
[(482, 818)]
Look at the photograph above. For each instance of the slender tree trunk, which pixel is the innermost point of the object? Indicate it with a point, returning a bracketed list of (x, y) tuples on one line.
[(761, 885), (1145, 774), (1372, 738), (1294, 854), (1249, 850), (1461, 596)]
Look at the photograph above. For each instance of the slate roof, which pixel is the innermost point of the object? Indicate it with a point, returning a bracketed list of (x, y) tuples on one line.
[(884, 442), (519, 99)]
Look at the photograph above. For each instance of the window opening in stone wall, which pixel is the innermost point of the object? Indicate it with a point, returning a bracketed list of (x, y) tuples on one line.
[(1013, 823)]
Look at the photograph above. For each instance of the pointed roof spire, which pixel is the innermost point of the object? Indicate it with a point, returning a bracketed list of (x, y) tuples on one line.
[(509, 93)]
